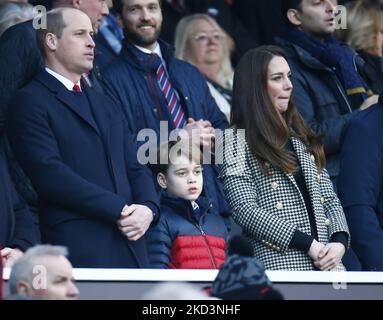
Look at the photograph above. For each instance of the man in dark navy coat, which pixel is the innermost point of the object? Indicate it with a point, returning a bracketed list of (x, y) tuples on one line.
[(20, 60), (361, 184), (95, 197)]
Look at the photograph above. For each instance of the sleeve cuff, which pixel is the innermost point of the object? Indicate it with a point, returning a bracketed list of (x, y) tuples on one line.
[(340, 237), (155, 210), (301, 241)]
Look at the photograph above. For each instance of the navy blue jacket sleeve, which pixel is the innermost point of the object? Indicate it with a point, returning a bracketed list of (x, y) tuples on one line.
[(331, 127), (36, 149), (19, 61), (25, 233), (17, 227), (159, 244), (360, 184), (141, 178)]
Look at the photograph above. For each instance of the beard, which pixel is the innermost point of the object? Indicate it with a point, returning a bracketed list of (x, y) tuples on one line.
[(139, 39)]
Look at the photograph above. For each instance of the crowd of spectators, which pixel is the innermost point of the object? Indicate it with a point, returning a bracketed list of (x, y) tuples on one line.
[(148, 133)]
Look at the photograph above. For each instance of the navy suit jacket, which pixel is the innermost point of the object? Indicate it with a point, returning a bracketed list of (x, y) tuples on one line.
[(84, 171), (360, 184)]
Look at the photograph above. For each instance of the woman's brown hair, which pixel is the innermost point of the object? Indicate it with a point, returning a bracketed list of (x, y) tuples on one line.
[(267, 130)]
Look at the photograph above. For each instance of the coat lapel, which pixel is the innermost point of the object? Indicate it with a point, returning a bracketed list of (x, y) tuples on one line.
[(304, 160), (65, 96), (101, 114), (306, 163), (68, 99), (310, 172)]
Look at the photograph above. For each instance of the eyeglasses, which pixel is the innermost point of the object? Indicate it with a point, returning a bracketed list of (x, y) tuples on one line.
[(204, 38)]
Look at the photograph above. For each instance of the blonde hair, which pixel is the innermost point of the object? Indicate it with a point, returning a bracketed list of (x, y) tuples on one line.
[(364, 22), (184, 33), (169, 151)]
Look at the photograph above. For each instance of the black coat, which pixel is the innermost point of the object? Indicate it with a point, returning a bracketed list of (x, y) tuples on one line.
[(262, 19), (17, 229), (360, 184), (84, 171), (20, 60), (373, 71)]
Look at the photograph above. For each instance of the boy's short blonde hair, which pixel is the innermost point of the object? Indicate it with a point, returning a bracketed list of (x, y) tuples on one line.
[(169, 152)]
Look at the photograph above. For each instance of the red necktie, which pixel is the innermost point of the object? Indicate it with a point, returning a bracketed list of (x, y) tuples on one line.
[(76, 88)]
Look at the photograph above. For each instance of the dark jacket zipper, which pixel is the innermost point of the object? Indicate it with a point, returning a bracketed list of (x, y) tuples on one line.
[(199, 226)]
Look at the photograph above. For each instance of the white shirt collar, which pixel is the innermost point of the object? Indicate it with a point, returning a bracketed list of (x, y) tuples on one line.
[(66, 82), (194, 205), (156, 50)]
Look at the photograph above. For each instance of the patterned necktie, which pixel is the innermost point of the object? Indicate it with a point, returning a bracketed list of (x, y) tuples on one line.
[(172, 99), (85, 77), (76, 88)]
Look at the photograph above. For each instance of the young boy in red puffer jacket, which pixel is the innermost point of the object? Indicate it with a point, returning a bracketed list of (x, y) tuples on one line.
[(188, 235)]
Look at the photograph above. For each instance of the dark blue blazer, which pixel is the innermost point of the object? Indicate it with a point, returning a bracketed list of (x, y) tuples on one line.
[(17, 228), (360, 184), (84, 170)]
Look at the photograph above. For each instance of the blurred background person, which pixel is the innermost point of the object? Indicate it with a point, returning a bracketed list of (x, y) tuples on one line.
[(239, 38), (44, 272), (274, 172), (202, 42), (327, 75), (109, 39), (12, 13), (176, 291), (360, 185), (364, 33), (17, 229), (263, 19), (242, 277), (14, 1)]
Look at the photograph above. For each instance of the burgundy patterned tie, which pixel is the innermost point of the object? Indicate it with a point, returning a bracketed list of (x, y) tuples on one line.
[(172, 99)]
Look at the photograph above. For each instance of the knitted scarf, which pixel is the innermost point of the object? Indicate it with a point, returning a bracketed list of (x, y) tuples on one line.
[(335, 56)]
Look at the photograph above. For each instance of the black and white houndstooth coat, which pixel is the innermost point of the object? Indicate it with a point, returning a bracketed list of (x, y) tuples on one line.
[(270, 208)]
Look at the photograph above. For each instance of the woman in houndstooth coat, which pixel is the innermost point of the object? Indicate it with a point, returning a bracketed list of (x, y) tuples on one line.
[(273, 172)]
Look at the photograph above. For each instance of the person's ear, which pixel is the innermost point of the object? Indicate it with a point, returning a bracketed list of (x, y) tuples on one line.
[(23, 288), (51, 41), (294, 17), (161, 179), (76, 3)]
